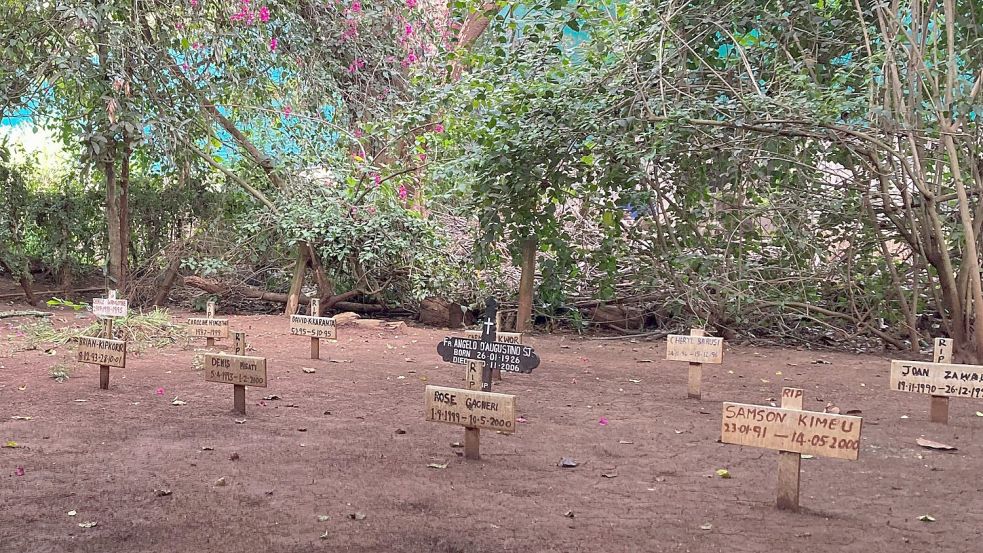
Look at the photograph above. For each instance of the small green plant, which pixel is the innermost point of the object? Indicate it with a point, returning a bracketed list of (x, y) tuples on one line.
[(60, 373), (58, 302)]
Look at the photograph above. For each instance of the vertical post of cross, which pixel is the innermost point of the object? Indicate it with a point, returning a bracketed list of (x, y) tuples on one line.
[(210, 314), (694, 389), (315, 342), (939, 406), (789, 462), (239, 391), (107, 328)]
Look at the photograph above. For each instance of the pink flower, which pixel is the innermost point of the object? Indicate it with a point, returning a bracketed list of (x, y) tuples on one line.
[(438, 128), (264, 14), (371, 210), (409, 29), (287, 110), (603, 421), (194, 3), (423, 157), (377, 178), (19, 471), (185, 66), (358, 133), (403, 192), (196, 46), (179, 26), (411, 4), (356, 6), (160, 391), (273, 43)]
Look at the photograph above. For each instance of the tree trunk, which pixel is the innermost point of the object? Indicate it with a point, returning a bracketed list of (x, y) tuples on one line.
[(170, 275), (252, 293), (300, 271), (114, 268), (124, 215), (526, 284)]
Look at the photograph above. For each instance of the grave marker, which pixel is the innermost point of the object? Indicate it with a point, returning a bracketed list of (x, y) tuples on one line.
[(240, 370), (473, 410), (109, 306), (315, 326), (939, 380), (791, 431), (485, 355), (697, 348), (502, 337), (105, 352), (210, 328)]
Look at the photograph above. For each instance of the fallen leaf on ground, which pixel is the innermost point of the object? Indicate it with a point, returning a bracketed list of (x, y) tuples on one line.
[(821, 362), (220, 481), (240, 421), (234, 456), (853, 412), (569, 514), (91, 524), (19, 471), (706, 526), (11, 444), (457, 444), (273, 397), (437, 466), (308, 370), (324, 536), (644, 360), (21, 418), (22, 388), (610, 474), (207, 448), (520, 419), (178, 402), (979, 414), (339, 360), (568, 462), (301, 430), (930, 444), (806, 456), (926, 518), (625, 442), (323, 518), (357, 516), (162, 492), (634, 380), (72, 513), (723, 473), (603, 421)]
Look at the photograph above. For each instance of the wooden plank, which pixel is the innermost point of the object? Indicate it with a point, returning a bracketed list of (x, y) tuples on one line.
[(103, 307), (812, 433), (939, 405), (695, 349), (502, 337), (472, 444), (208, 328), (937, 379), (101, 351), (238, 390), (242, 370), (694, 384), (789, 462), (472, 375), (315, 327), (470, 408)]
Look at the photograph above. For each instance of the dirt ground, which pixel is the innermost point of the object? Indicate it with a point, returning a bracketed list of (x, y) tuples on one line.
[(351, 438)]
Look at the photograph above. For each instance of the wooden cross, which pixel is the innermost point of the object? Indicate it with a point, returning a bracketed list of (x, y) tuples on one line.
[(239, 369), (940, 380), (314, 326), (793, 432)]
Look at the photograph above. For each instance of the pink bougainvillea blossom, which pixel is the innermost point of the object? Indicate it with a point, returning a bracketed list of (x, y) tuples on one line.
[(159, 391), (411, 4), (19, 471), (179, 26), (438, 128), (273, 43), (194, 3), (196, 46), (264, 14), (423, 157), (403, 192), (377, 178), (355, 65), (410, 59), (357, 133), (287, 110), (409, 29), (356, 6), (185, 66)]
